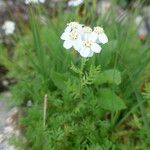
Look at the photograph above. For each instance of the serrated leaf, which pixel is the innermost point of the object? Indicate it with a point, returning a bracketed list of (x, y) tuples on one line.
[(110, 101), (109, 76), (146, 94)]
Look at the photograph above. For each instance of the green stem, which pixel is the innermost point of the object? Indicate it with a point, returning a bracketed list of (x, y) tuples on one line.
[(113, 114), (45, 110), (83, 62)]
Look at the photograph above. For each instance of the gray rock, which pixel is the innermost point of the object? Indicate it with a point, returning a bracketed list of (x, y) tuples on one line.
[(8, 124)]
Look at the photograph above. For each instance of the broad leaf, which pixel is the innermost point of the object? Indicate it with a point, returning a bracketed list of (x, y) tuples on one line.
[(107, 51), (109, 76)]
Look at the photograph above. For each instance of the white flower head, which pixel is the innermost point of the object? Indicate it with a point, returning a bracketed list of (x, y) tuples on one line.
[(8, 27), (89, 47), (71, 39), (100, 35), (34, 1), (83, 39), (75, 3), (73, 26)]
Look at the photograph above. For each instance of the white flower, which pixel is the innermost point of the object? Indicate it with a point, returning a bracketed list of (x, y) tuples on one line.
[(8, 27), (73, 26), (83, 39), (34, 1), (89, 47), (99, 35), (75, 3), (71, 39)]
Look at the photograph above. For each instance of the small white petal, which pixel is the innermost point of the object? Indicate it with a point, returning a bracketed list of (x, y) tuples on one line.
[(64, 36), (91, 54), (67, 44), (93, 36), (77, 44), (103, 38), (85, 52), (68, 29), (96, 48), (85, 36)]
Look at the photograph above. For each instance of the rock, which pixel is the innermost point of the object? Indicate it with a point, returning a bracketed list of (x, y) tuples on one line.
[(17, 132), (8, 124), (143, 23), (13, 114), (29, 103), (9, 121), (8, 130), (2, 5), (103, 7), (5, 83), (2, 138), (138, 20), (6, 146), (7, 94)]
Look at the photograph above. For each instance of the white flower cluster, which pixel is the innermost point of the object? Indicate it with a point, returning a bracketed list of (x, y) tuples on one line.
[(75, 3), (83, 39), (8, 27), (34, 1)]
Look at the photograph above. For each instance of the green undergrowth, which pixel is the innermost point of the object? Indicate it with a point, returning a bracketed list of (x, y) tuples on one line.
[(99, 103)]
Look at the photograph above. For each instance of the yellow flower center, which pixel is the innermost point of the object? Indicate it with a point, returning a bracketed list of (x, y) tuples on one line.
[(87, 29), (98, 30), (73, 35), (87, 43)]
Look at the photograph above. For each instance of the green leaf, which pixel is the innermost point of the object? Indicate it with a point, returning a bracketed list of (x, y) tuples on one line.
[(59, 79), (110, 101), (146, 94), (108, 49), (109, 76)]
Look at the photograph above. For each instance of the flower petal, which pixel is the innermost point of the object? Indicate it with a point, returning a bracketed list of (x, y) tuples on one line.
[(103, 38), (86, 36), (96, 48), (93, 37), (64, 36), (67, 44), (91, 54), (85, 52), (77, 44), (68, 29)]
